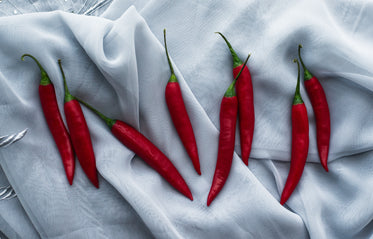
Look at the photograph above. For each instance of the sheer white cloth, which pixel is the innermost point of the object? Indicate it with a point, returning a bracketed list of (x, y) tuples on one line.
[(117, 63)]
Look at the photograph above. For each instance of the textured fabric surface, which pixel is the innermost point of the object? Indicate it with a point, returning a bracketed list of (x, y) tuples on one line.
[(117, 63), (14, 222), (18, 7)]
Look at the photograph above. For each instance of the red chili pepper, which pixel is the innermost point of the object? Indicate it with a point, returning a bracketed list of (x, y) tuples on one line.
[(321, 110), (228, 118), (79, 132), (179, 115), (245, 97), (299, 143), (55, 123), (146, 150)]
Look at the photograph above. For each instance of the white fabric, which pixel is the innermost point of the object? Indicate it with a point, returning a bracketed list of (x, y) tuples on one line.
[(117, 63), (14, 221)]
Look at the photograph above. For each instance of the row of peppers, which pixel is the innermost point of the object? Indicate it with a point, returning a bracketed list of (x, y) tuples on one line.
[(77, 139), (300, 126)]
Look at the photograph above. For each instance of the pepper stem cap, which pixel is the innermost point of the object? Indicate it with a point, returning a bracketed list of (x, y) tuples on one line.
[(236, 60), (68, 96), (44, 80), (110, 122), (297, 97), (231, 91), (173, 76), (307, 74)]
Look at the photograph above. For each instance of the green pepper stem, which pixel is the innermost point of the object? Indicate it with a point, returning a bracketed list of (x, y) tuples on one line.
[(297, 97), (307, 74), (230, 91), (68, 96), (110, 122), (44, 76), (236, 60), (173, 76)]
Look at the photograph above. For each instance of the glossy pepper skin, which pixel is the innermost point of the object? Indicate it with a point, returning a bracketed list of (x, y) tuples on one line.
[(245, 95), (299, 142), (79, 133), (179, 114), (321, 109), (145, 149), (55, 123), (228, 118)]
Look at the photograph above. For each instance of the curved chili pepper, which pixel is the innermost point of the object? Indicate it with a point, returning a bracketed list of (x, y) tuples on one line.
[(245, 97), (228, 118), (79, 133), (299, 142), (322, 115), (54, 120), (145, 149), (179, 115)]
